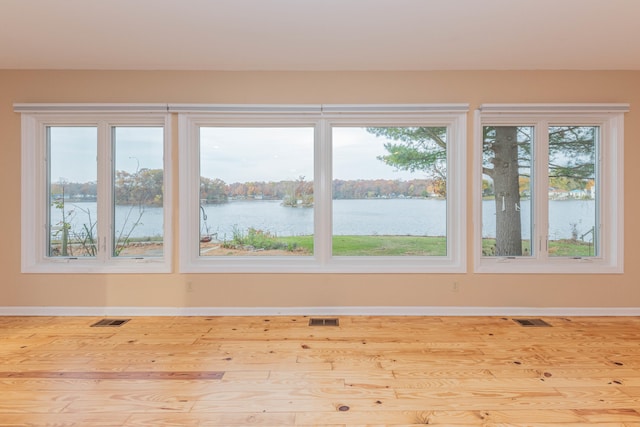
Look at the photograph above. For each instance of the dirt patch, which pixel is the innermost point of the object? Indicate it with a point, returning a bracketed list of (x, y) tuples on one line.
[(207, 249), (215, 249)]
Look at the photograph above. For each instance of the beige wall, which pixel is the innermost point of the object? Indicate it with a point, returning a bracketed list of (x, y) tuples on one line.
[(306, 290)]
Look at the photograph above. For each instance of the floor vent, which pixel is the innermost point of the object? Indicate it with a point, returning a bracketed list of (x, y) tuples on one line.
[(114, 323), (532, 322), (323, 322)]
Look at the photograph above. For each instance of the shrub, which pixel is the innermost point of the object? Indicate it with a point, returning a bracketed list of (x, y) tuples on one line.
[(256, 239)]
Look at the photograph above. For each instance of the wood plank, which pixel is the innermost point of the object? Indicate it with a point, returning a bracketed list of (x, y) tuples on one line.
[(212, 419), (450, 418), (128, 375), (64, 420)]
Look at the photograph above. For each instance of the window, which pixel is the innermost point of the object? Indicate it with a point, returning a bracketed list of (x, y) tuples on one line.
[(95, 190), (322, 189), (549, 188)]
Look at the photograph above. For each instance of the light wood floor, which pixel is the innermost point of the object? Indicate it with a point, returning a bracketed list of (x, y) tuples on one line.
[(279, 371)]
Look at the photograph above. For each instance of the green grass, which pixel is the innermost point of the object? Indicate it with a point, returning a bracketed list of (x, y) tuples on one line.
[(389, 246), (557, 248), (570, 248), (386, 245), (423, 246), (302, 243), (376, 245)]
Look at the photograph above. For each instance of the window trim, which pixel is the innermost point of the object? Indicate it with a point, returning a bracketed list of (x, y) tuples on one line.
[(453, 116), (35, 118), (610, 118)]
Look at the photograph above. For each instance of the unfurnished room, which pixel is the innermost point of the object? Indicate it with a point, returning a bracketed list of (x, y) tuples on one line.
[(319, 213)]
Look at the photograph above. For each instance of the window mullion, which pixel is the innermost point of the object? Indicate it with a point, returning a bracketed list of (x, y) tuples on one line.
[(456, 180), (190, 187), (43, 172), (541, 192), (40, 187), (600, 172), (105, 212), (323, 199)]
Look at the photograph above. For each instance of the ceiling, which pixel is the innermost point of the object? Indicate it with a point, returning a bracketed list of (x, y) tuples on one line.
[(320, 34)]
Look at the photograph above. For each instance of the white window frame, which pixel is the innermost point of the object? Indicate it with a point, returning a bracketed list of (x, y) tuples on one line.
[(610, 119), (322, 118), (36, 118)]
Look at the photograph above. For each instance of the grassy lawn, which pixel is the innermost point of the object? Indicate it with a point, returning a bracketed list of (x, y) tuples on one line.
[(390, 245), (570, 248), (377, 245), (559, 248), (422, 246)]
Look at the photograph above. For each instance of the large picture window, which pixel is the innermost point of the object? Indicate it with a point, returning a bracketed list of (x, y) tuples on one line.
[(330, 189), (550, 189), (95, 191), (323, 188)]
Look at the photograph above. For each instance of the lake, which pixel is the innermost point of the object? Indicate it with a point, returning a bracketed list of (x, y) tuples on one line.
[(351, 217)]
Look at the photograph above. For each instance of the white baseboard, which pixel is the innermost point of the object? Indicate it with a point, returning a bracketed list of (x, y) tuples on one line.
[(319, 311)]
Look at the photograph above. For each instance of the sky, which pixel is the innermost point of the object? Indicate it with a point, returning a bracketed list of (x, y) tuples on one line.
[(231, 154), (277, 154), (73, 151)]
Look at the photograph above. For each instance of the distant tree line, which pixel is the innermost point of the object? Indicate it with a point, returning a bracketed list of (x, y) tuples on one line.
[(217, 191), (380, 188), (145, 187), (74, 191)]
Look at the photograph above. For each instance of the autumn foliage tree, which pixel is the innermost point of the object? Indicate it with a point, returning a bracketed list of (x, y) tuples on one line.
[(144, 187)]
